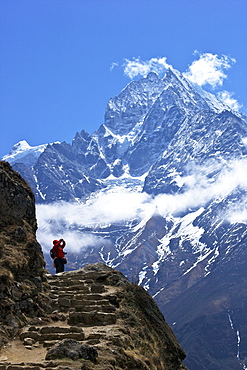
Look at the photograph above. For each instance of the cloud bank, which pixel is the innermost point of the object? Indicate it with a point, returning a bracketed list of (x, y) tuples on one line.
[(70, 220)]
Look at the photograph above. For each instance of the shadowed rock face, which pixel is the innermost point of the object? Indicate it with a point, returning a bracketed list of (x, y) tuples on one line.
[(21, 258), (68, 312)]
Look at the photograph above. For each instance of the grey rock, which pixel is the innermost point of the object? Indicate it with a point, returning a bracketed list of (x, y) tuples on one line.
[(72, 349)]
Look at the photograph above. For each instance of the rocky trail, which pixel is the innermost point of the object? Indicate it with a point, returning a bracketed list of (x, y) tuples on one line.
[(83, 310), (98, 320)]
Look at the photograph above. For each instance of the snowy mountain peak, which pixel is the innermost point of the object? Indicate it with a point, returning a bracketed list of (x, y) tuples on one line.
[(24, 153), (212, 101), (20, 146), (194, 91)]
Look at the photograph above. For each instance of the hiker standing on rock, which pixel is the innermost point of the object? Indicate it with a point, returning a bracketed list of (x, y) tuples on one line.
[(59, 255)]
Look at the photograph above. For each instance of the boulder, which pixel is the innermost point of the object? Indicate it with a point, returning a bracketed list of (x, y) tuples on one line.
[(72, 349)]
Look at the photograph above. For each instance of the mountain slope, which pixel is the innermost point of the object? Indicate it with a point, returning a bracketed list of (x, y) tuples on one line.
[(212, 314)]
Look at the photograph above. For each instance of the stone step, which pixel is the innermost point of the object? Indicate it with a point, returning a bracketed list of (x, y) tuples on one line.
[(53, 333), (96, 275), (64, 278), (86, 294), (59, 329), (73, 293), (80, 275), (61, 336), (66, 287), (64, 303), (70, 288), (98, 308), (92, 318), (89, 277), (77, 301), (78, 288), (97, 288), (88, 281), (66, 281), (66, 294), (90, 296), (85, 302)]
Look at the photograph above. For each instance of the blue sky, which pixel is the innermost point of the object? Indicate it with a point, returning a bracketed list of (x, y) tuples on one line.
[(61, 61)]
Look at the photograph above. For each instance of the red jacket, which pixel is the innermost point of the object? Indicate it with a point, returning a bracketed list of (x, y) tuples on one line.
[(58, 246)]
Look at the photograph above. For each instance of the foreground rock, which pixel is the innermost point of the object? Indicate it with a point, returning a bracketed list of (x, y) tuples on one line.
[(22, 273), (70, 348)]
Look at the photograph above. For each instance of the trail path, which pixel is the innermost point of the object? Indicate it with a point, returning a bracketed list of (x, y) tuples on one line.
[(84, 309)]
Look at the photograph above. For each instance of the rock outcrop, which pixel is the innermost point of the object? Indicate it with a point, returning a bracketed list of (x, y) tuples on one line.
[(22, 273), (89, 319)]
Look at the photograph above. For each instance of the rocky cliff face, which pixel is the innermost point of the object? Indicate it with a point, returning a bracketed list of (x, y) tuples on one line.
[(92, 318), (21, 259)]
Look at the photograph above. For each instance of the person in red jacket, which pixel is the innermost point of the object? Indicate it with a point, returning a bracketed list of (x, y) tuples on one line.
[(59, 255)]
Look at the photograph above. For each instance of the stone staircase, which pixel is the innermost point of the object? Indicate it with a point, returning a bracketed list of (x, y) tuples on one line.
[(84, 299), (83, 309)]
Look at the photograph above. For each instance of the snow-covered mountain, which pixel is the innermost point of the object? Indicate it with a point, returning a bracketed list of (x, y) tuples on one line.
[(24, 153), (158, 192)]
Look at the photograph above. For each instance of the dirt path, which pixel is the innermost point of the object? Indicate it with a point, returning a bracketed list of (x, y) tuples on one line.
[(16, 353)]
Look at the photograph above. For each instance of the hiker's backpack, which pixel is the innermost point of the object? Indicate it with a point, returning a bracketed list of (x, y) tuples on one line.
[(52, 254)]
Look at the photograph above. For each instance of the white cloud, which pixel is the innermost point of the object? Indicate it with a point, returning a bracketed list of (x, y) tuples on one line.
[(237, 214), (227, 98), (67, 219), (113, 65), (201, 188), (75, 241), (106, 208), (137, 67), (209, 69)]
